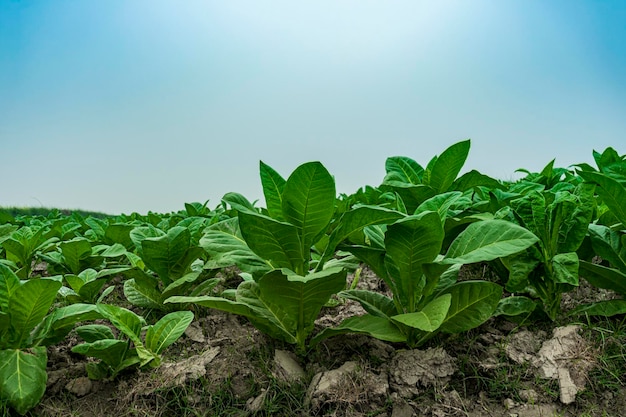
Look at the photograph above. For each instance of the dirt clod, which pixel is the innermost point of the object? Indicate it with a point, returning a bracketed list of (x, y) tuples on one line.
[(415, 368)]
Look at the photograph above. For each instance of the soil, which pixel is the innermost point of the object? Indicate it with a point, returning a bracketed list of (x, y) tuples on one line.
[(499, 369)]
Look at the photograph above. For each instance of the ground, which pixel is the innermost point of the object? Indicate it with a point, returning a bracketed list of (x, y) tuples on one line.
[(223, 366)]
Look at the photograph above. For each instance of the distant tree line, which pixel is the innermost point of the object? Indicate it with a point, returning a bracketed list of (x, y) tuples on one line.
[(47, 212)]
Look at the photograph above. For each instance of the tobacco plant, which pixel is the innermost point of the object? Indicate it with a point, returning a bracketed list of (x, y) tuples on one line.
[(609, 243), (117, 354), (549, 268), (170, 264), (426, 295), (26, 329)]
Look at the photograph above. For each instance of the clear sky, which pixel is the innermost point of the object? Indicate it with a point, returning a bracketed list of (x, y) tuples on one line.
[(122, 105)]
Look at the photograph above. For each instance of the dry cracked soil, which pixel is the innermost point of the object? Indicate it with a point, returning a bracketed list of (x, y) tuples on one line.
[(224, 366)]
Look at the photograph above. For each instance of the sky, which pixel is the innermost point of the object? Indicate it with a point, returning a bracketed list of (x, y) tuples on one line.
[(127, 106)]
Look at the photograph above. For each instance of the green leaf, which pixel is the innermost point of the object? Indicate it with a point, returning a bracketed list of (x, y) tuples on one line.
[(613, 193), (604, 277), (577, 214), (164, 254), (30, 304), (410, 243), (56, 325), (296, 300), (123, 319), (404, 170), (520, 267), (249, 305), (356, 220), (142, 296), (473, 303), (565, 266), (374, 303), (92, 332), (225, 246), (23, 377), (309, 202), (606, 308), (515, 306), (448, 165), (487, 240), (167, 330), (430, 317), (9, 282), (606, 244), (130, 324), (110, 351), (440, 204), (74, 251), (139, 234), (378, 327), (273, 186), (272, 240)]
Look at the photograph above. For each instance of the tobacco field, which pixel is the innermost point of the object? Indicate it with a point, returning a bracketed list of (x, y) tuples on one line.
[(433, 293)]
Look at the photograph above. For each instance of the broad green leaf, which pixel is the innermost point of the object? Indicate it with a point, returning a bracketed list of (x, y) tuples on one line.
[(430, 317), (92, 332), (473, 303), (139, 234), (604, 277), (23, 377), (448, 165), (249, 305), (413, 195), (410, 243), (378, 327), (56, 325), (515, 306), (565, 266), (356, 220), (613, 193), (130, 324), (440, 204), (532, 209), (296, 300), (167, 330), (577, 215), (272, 240), (309, 201), (30, 304), (473, 179), (119, 233), (115, 250), (273, 186), (142, 296), (110, 351), (488, 240), (238, 202), (520, 267), (225, 246), (606, 308), (123, 319), (74, 251), (77, 281), (9, 282), (374, 303), (403, 169), (606, 243), (163, 254), (179, 286)]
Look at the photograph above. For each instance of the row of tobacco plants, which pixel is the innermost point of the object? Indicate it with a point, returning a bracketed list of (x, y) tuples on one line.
[(416, 230)]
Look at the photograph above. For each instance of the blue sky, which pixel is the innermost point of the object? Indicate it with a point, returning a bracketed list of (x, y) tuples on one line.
[(123, 106)]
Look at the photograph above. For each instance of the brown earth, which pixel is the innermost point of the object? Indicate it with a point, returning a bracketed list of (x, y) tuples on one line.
[(224, 366)]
